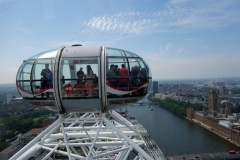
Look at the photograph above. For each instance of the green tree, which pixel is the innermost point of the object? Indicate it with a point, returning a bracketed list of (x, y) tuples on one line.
[(10, 135), (4, 145)]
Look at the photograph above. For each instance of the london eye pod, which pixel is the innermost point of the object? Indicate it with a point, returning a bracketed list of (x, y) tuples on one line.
[(84, 79)]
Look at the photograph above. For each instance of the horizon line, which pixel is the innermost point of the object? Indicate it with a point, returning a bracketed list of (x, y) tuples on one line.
[(167, 79)]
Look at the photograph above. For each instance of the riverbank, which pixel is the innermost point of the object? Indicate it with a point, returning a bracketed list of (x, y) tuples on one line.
[(212, 130), (176, 135), (215, 155), (209, 128)]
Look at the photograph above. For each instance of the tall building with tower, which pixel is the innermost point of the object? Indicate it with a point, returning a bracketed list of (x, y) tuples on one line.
[(213, 100), (155, 88)]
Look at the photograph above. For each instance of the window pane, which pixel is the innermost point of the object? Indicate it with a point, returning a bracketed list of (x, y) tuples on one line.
[(49, 54), (20, 72), (23, 79), (26, 71), (114, 52), (148, 69), (80, 77), (139, 78), (117, 77), (149, 84), (130, 54), (42, 76), (25, 89)]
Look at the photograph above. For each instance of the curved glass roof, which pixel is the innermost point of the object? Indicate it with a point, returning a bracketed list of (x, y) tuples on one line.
[(119, 53), (46, 54)]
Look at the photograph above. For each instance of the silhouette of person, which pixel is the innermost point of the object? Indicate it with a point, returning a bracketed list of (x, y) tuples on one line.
[(44, 82), (80, 75)]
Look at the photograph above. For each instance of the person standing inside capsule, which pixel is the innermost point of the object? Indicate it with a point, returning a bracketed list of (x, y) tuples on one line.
[(112, 78), (123, 75), (44, 82), (80, 75), (89, 80), (135, 75), (49, 77)]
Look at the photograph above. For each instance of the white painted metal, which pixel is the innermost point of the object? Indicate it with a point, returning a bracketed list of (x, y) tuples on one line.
[(57, 81), (91, 136), (35, 140)]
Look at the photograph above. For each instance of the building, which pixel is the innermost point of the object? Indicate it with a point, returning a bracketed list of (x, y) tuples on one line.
[(9, 98), (2, 132), (155, 88), (163, 96), (213, 100), (30, 135), (11, 150), (223, 89), (160, 88), (223, 127), (19, 144), (190, 113), (48, 121), (227, 110)]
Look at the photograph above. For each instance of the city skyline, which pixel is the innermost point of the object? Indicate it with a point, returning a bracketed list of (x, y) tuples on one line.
[(179, 39)]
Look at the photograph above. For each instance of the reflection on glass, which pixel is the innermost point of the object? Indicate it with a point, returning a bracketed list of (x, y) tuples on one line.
[(49, 54), (148, 69), (130, 54), (114, 52)]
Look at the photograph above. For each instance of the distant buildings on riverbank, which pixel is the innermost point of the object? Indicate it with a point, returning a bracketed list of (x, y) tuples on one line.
[(226, 127), (221, 122), (220, 97)]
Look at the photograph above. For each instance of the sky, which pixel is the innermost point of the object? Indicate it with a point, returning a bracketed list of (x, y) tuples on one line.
[(179, 39)]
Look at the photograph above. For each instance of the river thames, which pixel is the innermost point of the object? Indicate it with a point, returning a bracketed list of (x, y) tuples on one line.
[(176, 135)]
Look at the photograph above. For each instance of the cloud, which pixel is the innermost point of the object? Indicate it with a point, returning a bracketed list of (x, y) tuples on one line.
[(163, 50), (180, 50), (175, 17)]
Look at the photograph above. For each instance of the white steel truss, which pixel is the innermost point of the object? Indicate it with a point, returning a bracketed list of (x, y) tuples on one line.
[(90, 136)]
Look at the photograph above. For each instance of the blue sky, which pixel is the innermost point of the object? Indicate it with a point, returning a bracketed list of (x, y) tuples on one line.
[(179, 39)]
